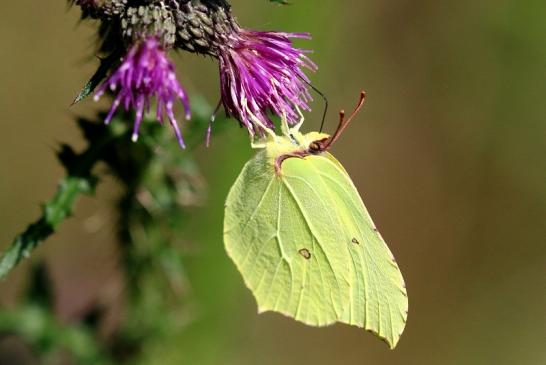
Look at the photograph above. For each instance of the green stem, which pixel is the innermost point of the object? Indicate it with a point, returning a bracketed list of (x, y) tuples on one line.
[(78, 181)]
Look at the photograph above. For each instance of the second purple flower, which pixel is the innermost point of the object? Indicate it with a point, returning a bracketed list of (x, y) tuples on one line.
[(145, 73), (261, 73)]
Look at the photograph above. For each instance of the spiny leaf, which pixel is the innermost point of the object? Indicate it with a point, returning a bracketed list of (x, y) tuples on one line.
[(79, 180), (105, 65), (54, 212)]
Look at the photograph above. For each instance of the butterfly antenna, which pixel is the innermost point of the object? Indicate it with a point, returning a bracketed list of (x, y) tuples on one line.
[(323, 98), (343, 123), (355, 111)]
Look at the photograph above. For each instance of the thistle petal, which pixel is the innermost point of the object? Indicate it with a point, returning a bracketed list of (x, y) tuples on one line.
[(145, 73), (262, 73)]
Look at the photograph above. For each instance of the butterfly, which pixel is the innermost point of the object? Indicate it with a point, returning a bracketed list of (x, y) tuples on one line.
[(297, 230)]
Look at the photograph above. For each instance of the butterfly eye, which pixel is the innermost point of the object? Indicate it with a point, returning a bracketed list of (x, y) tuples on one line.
[(318, 146), (314, 147)]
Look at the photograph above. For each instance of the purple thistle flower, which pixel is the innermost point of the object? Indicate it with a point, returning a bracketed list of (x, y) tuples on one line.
[(144, 73), (261, 72)]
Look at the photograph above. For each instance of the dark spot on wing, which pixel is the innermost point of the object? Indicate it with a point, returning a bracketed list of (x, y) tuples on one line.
[(355, 241), (305, 253)]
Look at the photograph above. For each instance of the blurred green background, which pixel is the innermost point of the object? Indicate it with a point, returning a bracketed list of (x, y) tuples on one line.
[(448, 155)]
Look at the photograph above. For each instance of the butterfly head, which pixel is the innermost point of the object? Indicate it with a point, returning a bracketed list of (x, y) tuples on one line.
[(314, 142), (295, 144), (318, 143)]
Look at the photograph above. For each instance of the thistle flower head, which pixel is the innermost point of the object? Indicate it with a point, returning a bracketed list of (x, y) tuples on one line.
[(262, 72), (145, 73), (100, 8)]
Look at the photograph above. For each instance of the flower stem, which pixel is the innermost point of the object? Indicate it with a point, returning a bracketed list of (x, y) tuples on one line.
[(79, 180)]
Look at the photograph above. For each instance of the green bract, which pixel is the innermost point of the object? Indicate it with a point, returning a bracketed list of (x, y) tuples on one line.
[(300, 235)]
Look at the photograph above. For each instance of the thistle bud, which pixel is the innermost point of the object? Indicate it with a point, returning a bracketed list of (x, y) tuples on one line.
[(154, 19), (100, 8), (202, 26), (145, 73)]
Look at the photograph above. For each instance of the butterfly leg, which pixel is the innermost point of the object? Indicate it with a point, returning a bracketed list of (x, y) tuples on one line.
[(284, 125), (257, 120), (260, 144), (260, 124), (297, 127)]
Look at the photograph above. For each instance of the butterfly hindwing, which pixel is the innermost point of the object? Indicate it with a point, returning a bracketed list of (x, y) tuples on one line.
[(378, 300)]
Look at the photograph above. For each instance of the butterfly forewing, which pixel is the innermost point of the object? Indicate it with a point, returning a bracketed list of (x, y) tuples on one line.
[(283, 248)]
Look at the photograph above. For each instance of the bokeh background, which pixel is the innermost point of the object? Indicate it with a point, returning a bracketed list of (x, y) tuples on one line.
[(449, 155)]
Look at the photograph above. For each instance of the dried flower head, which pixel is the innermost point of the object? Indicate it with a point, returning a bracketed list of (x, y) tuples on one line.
[(145, 73), (100, 8)]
